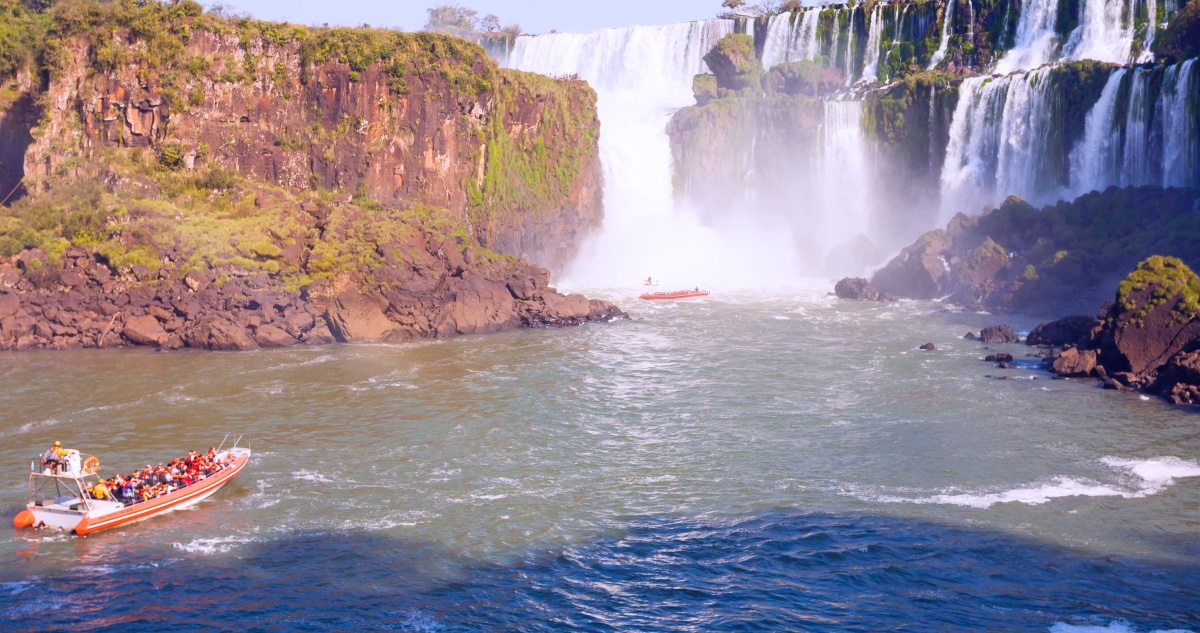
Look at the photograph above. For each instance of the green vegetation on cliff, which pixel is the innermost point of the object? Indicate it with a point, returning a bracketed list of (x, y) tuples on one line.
[(420, 118)]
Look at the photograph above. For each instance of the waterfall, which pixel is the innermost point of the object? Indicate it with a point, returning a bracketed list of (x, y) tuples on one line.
[(1036, 42), (1181, 141), (642, 75), (846, 183), (789, 39), (1151, 29), (874, 35), (999, 141), (836, 29), (971, 21), (1135, 166), (850, 47), (1094, 162), (947, 27), (1105, 31)]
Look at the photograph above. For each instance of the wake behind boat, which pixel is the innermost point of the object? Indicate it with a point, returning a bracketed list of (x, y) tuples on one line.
[(677, 294), (67, 492)]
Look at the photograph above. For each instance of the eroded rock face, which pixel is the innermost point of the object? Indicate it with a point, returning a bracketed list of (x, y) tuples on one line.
[(144, 330), (353, 317), (919, 271), (1179, 379)]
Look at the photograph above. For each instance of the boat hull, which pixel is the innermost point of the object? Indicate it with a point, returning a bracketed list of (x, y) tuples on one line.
[(682, 294)]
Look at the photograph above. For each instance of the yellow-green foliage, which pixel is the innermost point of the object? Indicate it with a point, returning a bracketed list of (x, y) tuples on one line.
[(1165, 278), (535, 169)]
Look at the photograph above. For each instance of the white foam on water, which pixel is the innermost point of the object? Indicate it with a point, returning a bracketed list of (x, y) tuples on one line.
[(1152, 476), (1116, 626), (15, 588), (312, 475), (39, 424), (218, 545), (782, 318)]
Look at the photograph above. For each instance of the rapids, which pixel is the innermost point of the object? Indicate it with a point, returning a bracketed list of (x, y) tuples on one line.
[(758, 461)]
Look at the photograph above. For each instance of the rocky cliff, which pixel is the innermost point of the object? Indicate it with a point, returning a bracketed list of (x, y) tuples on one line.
[(182, 178), (404, 118)]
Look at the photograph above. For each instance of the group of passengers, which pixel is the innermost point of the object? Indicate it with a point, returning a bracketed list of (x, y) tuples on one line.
[(156, 481)]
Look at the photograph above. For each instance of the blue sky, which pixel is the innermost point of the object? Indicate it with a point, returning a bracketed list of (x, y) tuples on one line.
[(534, 16)]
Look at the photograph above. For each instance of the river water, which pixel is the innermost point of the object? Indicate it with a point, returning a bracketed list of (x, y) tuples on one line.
[(778, 460)]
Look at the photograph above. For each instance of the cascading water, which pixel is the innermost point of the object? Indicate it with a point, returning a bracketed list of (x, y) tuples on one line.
[(998, 141), (1105, 31), (874, 35), (947, 31), (791, 38), (1036, 41), (845, 174), (642, 75), (849, 70), (1153, 141), (1095, 161)]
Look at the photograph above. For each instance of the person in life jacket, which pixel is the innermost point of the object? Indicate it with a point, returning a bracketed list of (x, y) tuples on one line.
[(100, 491), (53, 457)]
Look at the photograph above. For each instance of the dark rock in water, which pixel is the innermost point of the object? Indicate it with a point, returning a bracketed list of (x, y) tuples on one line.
[(1072, 330), (1124, 378), (928, 347), (999, 358), (998, 334), (1156, 316), (919, 271), (217, 334), (1179, 379), (856, 288), (1004, 365), (1075, 364), (1112, 384), (970, 336), (144, 330)]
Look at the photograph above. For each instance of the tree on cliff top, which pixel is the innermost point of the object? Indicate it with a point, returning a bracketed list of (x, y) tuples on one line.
[(453, 20), (733, 5)]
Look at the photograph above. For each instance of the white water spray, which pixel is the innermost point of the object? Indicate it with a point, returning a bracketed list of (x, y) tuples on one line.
[(642, 75), (791, 38)]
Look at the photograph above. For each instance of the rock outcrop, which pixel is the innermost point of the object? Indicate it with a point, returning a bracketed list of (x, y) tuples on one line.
[(1149, 338), (1063, 258), (859, 289)]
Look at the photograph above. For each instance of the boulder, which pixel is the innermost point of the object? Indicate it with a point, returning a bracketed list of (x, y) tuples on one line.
[(319, 335), (477, 306), (919, 271), (144, 330), (1072, 330), (1156, 316), (1179, 379), (998, 334), (856, 288), (998, 358), (970, 336), (928, 347), (530, 283), (734, 63), (216, 333), (1073, 363), (353, 317), (271, 336), (9, 304)]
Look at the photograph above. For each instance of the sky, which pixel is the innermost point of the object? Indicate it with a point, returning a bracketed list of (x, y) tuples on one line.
[(534, 16)]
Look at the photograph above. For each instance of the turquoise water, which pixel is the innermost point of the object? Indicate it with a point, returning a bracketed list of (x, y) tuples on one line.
[(767, 461)]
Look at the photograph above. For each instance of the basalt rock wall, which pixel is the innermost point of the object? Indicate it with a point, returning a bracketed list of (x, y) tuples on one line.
[(404, 118)]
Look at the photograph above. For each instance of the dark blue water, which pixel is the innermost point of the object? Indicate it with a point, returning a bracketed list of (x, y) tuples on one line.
[(774, 571)]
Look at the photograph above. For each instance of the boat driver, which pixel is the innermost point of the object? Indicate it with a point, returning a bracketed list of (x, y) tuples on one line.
[(53, 457)]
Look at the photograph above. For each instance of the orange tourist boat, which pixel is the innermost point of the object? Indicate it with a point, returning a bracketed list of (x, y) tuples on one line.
[(74, 508), (678, 294)]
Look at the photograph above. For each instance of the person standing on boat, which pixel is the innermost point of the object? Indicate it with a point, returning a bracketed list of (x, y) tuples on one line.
[(53, 457)]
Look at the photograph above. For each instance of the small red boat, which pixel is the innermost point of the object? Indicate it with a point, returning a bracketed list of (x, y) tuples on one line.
[(678, 294)]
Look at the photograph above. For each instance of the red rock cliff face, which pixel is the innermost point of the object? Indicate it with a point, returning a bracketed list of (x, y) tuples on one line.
[(512, 155)]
